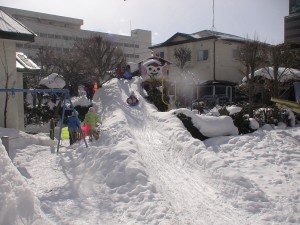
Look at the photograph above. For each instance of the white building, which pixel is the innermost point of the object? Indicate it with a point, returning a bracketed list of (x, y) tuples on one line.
[(59, 33)]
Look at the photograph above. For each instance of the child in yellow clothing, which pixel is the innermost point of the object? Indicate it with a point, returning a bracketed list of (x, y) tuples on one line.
[(91, 119)]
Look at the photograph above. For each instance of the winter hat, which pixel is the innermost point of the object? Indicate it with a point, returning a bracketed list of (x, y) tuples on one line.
[(75, 113), (92, 109)]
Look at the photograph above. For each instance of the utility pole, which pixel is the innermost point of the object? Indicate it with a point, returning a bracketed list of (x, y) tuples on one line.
[(214, 49), (213, 19)]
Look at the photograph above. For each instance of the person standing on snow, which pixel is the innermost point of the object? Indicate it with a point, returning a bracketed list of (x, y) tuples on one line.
[(89, 89), (73, 127), (120, 72), (91, 119), (127, 74), (95, 88)]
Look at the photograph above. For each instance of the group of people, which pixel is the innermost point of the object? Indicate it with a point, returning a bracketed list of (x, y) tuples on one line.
[(91, 119), (124, 72)]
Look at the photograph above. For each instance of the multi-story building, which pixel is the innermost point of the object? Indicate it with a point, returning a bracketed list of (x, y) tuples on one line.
[(59, 33), (213, 54), (292, 23), (214, 63)]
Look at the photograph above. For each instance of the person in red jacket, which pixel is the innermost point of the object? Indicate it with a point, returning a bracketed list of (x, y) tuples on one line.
[(120, 72)]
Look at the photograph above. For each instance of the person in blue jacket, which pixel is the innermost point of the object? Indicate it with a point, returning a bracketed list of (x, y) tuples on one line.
[(73, 127), (127, 75)]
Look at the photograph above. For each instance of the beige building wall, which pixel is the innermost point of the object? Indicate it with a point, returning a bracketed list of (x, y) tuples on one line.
[(203, 70), (226, 64), (10, 79)]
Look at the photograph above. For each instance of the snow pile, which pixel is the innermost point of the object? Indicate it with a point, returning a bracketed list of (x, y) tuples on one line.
[(260, 173), (211, 126), (53, 81), (18, 202), (233, 109), (146, 168)]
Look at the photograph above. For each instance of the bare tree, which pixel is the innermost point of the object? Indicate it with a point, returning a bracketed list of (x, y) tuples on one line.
[(100, 57), (47, 60), (295, 51), (182, 56), (280, 55), (281, 58), (252, 55), (71, 67)]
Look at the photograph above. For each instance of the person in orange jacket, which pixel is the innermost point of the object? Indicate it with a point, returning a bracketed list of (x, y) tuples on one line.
[(95, 87)]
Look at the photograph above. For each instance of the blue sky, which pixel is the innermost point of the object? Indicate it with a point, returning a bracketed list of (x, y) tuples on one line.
[(245, 18)]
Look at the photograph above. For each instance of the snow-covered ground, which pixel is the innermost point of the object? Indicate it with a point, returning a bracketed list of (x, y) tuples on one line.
[(147, 169)]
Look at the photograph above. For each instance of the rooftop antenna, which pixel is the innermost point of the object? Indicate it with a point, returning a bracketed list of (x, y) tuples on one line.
[(213, 20)]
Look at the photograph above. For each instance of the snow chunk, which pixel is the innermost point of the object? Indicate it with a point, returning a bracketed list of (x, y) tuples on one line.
[(53, 81)]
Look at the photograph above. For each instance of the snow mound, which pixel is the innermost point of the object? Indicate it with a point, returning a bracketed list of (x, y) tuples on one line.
[(211, 126), (18, 202)]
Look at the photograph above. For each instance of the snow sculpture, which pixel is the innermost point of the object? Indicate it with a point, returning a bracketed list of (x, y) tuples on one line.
[(154, 68)]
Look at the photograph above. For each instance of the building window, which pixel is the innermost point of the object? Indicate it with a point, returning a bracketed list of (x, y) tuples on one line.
[(44, 35), (220, 90), (162, 55), (206, 90), (119, 44), (235, 54), (34, 46), (202, 55)]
